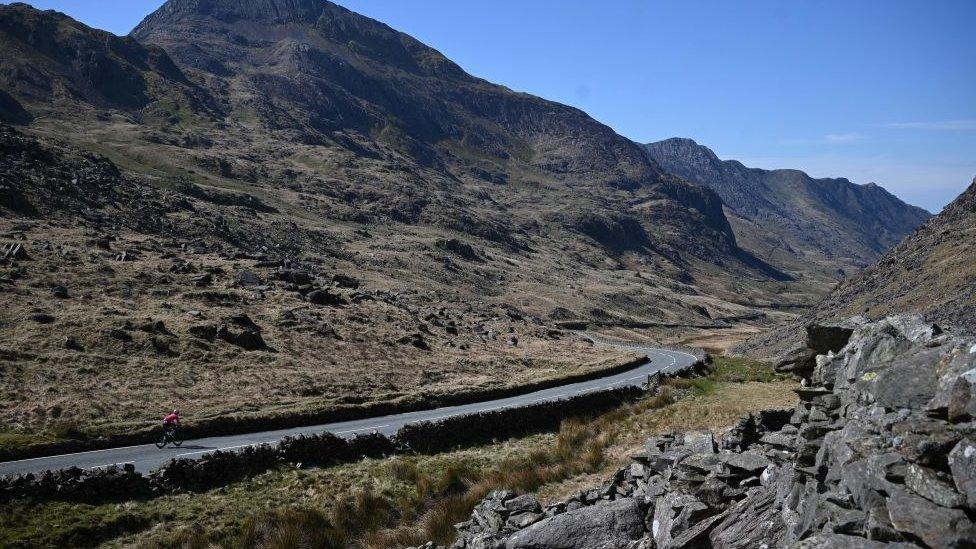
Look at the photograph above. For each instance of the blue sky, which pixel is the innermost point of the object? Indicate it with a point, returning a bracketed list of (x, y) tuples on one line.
[(881, 90)]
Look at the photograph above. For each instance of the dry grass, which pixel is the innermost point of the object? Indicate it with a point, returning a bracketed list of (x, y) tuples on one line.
[(111, 385)]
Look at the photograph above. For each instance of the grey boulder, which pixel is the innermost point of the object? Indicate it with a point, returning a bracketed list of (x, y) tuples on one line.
[(962, 463), (609, 525)]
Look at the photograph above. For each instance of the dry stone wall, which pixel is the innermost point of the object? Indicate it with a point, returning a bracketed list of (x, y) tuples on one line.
[(221, 468)]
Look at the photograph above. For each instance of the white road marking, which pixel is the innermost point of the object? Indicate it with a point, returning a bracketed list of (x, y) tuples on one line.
[(109, 465), (79, 453), (359, 430), (216, 450)]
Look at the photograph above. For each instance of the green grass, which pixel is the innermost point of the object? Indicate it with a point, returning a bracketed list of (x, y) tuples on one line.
[(740, 370), (58, 432), (69, 525), (727, 369), (11, 440)]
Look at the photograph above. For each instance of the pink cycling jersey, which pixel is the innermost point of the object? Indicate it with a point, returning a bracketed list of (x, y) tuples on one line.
[(172, 418)]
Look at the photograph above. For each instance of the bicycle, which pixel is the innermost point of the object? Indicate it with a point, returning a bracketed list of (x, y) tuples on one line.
[(170, 435)]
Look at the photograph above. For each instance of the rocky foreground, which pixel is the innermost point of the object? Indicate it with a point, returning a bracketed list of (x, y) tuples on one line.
[(880, 450)]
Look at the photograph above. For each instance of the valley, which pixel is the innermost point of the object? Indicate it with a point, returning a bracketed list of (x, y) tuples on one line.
[(398, 305)]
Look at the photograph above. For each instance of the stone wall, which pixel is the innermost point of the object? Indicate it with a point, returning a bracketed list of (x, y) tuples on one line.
[(221, 468), (233, 425), (453, 432), (880, 451)]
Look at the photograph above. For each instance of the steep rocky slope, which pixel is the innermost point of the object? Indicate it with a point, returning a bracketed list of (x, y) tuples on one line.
[(831, 227), (48, 59), (932, 272), (879, 452)]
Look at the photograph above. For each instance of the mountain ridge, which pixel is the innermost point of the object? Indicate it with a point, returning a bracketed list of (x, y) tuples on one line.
[(931, 272), (261, 10), (841, 224)]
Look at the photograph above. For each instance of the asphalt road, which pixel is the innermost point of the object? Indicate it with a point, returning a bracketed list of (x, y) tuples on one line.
[(147, 457)]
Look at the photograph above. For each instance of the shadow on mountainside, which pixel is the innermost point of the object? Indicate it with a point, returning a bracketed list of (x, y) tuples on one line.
[(763, 267)]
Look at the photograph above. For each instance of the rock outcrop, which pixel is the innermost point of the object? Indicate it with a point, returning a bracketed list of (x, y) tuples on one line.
[(879, 451)]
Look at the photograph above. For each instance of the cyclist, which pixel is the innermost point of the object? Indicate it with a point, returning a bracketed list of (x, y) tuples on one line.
[(171, 422)]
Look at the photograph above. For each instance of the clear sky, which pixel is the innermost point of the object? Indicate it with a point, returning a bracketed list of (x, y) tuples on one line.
[(872, 90)]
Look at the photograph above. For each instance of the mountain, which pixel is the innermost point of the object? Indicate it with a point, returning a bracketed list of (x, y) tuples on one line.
[(931, 272), (293, 210), (792, 219), (343, 118), (49, 59), (314, 68)]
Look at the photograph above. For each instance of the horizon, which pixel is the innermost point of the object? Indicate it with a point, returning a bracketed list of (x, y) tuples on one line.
[(873, 94)]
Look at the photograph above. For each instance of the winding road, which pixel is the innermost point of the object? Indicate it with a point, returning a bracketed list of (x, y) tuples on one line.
[(147, 457)]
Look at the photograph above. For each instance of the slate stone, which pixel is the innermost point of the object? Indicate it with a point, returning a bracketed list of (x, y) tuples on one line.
[(700, 442), (844, 521), (520, 521), (610, 525), (808, 394), (962, 399), (908, 382), (841, 541), (799, 360), (934, 525), (245, 277), (674, 513), (823, 339), (926, 483), (778, 440), (523, 504), (754, 522), (325, 298), (750, 461), (962, 463)]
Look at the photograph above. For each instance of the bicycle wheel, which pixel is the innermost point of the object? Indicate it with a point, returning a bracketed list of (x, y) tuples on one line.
[(161, 441), (177, 438)]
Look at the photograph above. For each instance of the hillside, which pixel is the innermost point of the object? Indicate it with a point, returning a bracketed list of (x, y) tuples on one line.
[(284, 208), (932, 272), (828, 227)]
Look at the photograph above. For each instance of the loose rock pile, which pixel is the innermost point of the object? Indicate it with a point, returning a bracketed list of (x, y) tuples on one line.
[(880, 450)]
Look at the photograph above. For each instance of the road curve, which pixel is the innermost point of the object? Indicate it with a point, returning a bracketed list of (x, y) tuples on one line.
[(147, 457)]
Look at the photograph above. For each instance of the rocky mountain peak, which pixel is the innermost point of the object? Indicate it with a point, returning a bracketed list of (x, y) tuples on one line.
[(685, 148), (265, 11)]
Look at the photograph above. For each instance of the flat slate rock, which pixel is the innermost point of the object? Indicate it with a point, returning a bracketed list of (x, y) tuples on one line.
[(749, 461), (610, 525)]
